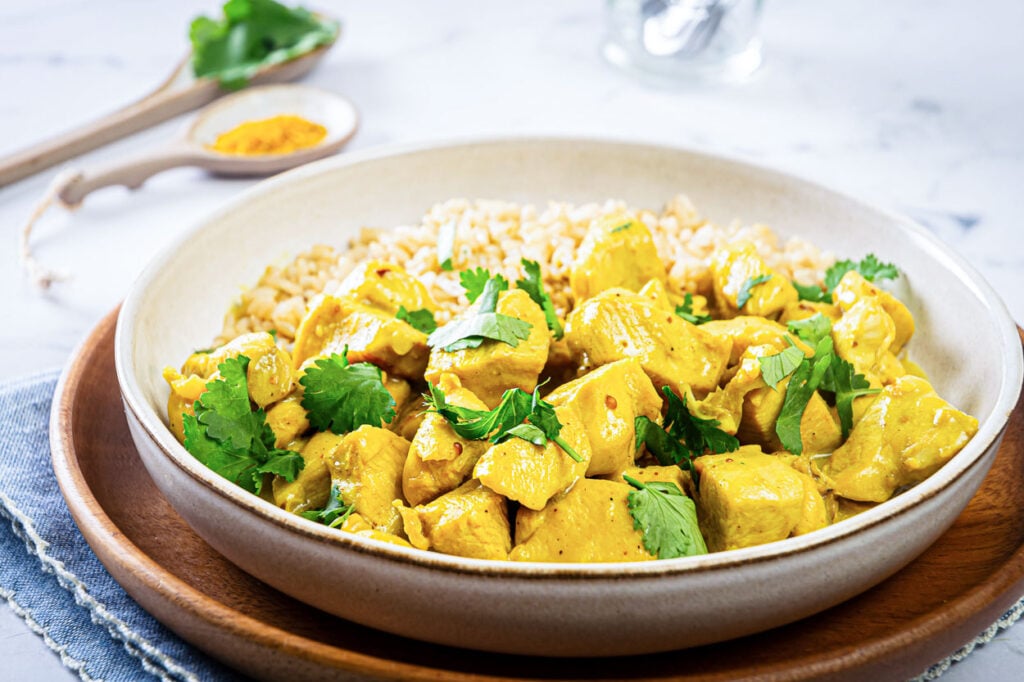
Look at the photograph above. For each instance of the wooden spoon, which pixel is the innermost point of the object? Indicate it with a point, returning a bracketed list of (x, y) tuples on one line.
[(181, 92), (330, 110)]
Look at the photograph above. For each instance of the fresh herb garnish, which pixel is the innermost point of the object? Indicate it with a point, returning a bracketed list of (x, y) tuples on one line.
[(482, 324), (624, 226), (519, 414), (685, 311), (775, 368), (342, 397), (334, 513), (745, 289), (475, 279), (805, 381), (689, 436), (446, 245), (666, 518), (420, 320), (254, 34), (812, 329), (869, 267), (848, 385), (533, 286), (232, 439)]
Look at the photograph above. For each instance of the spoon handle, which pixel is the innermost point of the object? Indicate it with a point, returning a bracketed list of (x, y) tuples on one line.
[(131, 173)]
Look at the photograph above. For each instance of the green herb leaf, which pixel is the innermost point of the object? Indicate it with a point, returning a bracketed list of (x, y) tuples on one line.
[(869, 267), (420, 320), (475, 280), (693, 435), (804, 382), (624, 226), (254, 34), (745, 289), (685, 311), (342, 397), (518, 415), (226, 435), (484, 324), (446, 245), (334, 513), (533, 286), (812, 329), (667, 519), (848, 385), (812, 292), (665, 448), (775, 368)]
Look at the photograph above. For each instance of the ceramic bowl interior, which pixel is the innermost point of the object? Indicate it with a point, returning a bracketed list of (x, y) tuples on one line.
[(965, 338)]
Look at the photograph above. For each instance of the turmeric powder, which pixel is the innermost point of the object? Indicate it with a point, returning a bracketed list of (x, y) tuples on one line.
[(277, 135)]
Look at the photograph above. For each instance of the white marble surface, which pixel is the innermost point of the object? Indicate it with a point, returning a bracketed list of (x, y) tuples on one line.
[(913, 105)]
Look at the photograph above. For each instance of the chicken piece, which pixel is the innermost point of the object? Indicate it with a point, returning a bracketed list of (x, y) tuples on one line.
[(853, 287), (331, 324), (801, 310), (820, 431), (367, 470), (177, 408), (617, 252), (385, 287), (287, 418), (748, 498), (589, 523), (747, 330), (618, 324), (470, 521), (312, 487), (533, 474), (357, 525), (439, 460), (609, 400), (269, 373), (656, 292), (725, 404), (906, 434), (731, 267), (495, 366), (864, 337)]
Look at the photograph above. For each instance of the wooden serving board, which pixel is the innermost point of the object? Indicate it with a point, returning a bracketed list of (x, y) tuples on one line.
[(955, 590)]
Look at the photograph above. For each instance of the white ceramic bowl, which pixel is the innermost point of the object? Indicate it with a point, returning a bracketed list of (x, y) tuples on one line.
[(965, 339)]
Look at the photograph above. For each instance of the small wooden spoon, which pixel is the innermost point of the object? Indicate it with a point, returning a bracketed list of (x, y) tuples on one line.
[(180, 93), (330, 110)]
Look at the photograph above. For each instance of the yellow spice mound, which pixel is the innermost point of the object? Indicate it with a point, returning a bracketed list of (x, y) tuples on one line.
[(277, 135)]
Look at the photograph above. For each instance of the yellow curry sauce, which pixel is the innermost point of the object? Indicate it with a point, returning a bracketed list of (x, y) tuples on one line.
[(633, 351)]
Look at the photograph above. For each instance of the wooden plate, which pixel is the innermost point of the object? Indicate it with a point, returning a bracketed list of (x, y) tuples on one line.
[(942, 600)]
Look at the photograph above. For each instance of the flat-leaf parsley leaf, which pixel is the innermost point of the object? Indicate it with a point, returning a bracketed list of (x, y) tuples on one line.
[(685, 311), (666, 518), (745, 289), (534, 287), (420, 320), (481, 324), (341, 397)]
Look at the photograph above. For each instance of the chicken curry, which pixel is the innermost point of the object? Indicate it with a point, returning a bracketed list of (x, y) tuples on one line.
[(648, 423)]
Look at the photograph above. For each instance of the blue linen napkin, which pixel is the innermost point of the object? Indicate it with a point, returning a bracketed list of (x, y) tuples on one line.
[(52, 580), (50, 577)]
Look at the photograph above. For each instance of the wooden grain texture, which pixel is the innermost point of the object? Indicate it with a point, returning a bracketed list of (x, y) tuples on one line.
[(957, 588)]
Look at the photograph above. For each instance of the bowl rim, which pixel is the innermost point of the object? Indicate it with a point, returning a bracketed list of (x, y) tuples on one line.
[(990, 430)]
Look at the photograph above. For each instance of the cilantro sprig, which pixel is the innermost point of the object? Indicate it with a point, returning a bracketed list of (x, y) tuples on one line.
[(483, 325), (475, 279), (775, 368), (420, 320), (341, 397), (869, 267), (334, 513), (231, 438), (254, 34), (684, 436), (534, 287), (666, 518), (685, 311), (518, 415), (746, 289)]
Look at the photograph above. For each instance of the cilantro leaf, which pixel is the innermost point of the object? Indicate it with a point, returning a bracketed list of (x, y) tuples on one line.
[(226, 435), (805, 381), (334, 513), (667, 519), (689, 436), (685, 311), (745, 289), (869, 267), (342, 397), (484, 324), (533, 286), (475, 279), (813, 329), (666, 449), (812, 292), (518, 415), (420, 320), (446, 245), (848, 386), (775, 368), (620, 228), (254, 34)]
